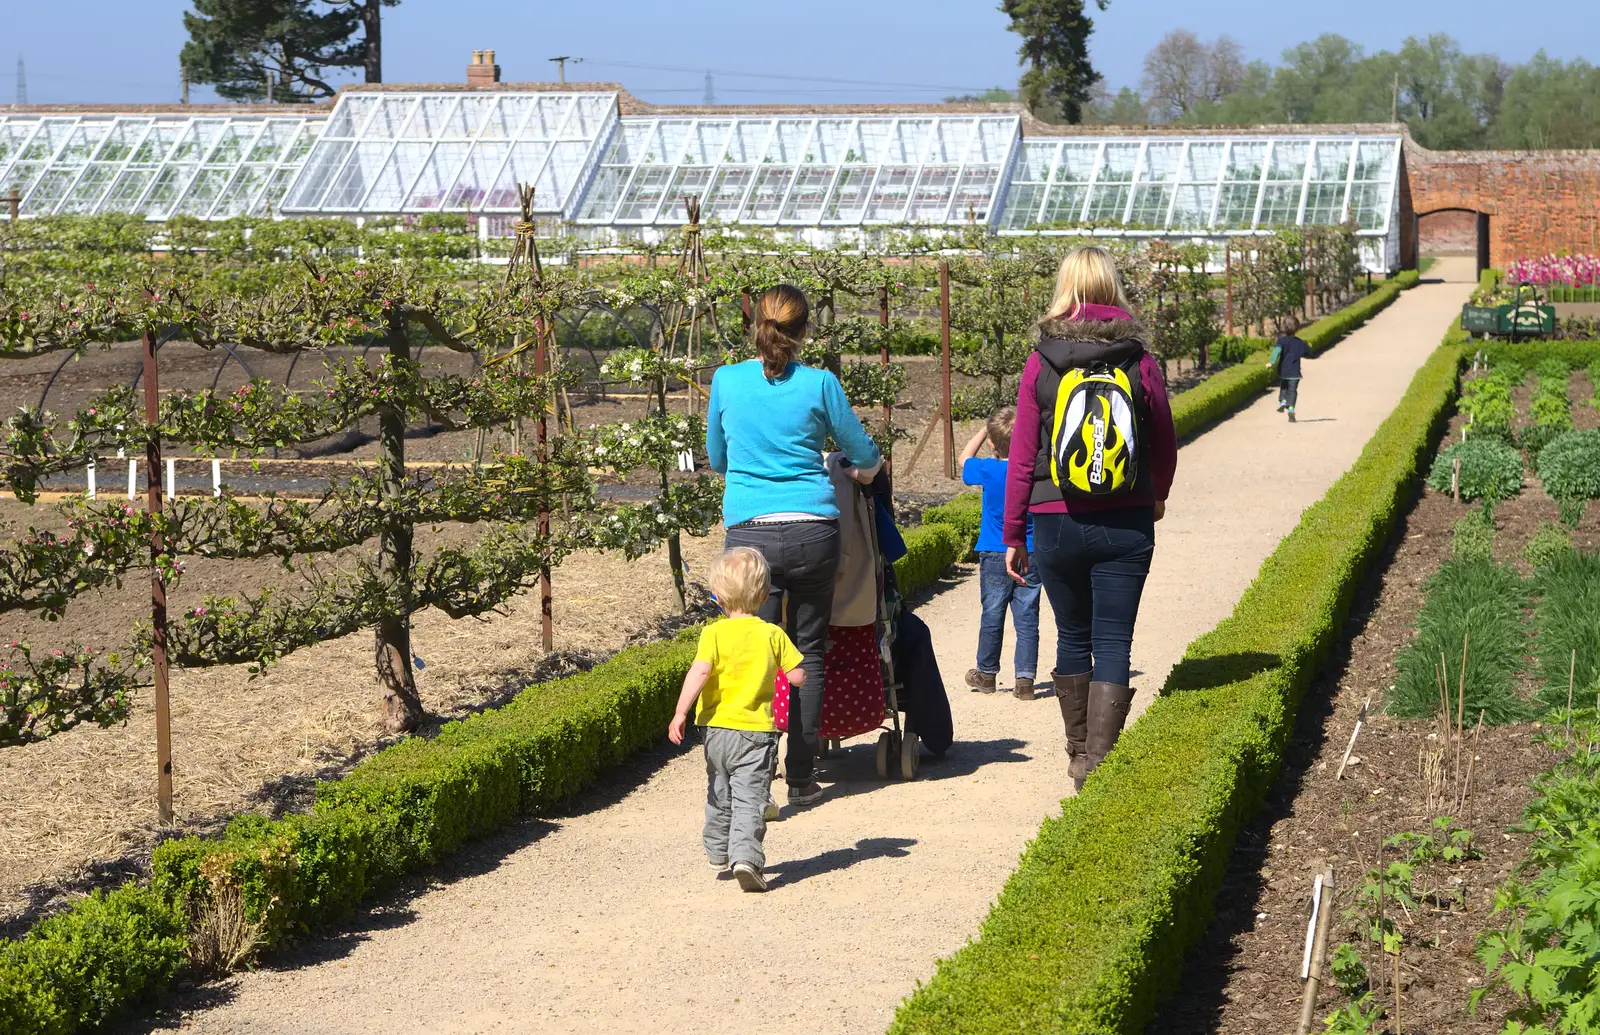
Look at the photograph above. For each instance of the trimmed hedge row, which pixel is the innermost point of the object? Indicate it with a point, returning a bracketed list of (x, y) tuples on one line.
[(399, 810), (1092, 928), (1220, 396), (1577, 355)]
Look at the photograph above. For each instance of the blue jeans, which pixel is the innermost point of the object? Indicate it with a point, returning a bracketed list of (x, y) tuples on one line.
[(998, 589), (1093, 567)]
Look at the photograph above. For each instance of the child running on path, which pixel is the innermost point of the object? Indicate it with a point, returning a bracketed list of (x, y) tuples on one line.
[(996, 587), (1287, 352), (733, 676)]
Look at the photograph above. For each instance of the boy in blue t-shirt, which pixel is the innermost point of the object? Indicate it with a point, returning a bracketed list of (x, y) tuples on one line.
[(996, 586)]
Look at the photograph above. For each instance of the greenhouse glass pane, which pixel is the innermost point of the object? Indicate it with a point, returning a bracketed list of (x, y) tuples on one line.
[(303, 142), (83, 142), (1369, 205), (686, 182), (644, 195), (1077, 163), (630, 143), (1108, 202), (874, 140), (1064, 207), (560, 175), (478, 174), (891, 194), (1203, 163), (1160, 162), (394, 181), (604, 193), (1035, 161), (975, 193), (1192, 210), (47, 141), (908, 142), (1325, 204), (766, 198), (835, 138), (465, 120), (90, 188), (1332, 160), (524, 165), (129, 189), (949, 140), (549, 117), (1022, 205), (1119, 163), (166, 190), (197, 140), (809, 194), (429, 119), (20, 177), (849, 200), (993, 142), (930, 200), (271, 199), (1246, 160), (1288, 160), (745, 142), (1280, 204), (275, 136), (358, 174), (706, 142), (48, 192), (1150, 204), (438, 173), (155, 146), (203, 192), (671, 139), (788, 141), (13, 134), (240, 196), (590, 115), (1375, 160), (388, 119), (1237, 207), (505, 121), (231, 143), (727, 192), (349, 114)]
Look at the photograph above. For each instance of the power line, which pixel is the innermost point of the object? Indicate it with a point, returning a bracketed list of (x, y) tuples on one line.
[(790, 78)]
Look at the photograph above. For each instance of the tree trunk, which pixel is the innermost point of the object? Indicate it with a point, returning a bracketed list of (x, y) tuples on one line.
[(392, 637), (372, 48)]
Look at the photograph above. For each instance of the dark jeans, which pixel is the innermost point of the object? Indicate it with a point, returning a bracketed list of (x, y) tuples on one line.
[(997, 590), (1093, 567), (1288, 391), (803, 556)]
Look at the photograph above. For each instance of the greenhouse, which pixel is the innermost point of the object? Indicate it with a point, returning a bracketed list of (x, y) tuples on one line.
[(820, 177)]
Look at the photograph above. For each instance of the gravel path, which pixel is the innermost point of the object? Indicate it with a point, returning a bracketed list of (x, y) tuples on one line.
[(605, 919)]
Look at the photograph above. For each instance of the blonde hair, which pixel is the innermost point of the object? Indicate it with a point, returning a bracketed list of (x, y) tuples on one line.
[(741, 580), (1000, 423), (1088, 276), (779, 327)]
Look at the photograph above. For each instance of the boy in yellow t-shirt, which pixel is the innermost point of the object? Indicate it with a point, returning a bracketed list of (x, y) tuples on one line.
[(733, 677)]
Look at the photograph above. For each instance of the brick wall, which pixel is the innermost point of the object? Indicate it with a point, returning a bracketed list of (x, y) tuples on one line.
[(1538, 202)]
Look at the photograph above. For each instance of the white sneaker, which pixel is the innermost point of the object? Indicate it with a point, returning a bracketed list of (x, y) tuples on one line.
[(717, 865), (749, 876)]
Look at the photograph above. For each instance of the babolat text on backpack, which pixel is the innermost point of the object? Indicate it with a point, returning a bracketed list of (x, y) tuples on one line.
[(1094, 440)]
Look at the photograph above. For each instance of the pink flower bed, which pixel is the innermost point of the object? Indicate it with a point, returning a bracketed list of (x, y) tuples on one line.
[(1569, 270)]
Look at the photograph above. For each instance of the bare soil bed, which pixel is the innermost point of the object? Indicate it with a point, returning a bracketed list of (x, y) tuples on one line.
[(1244, 974)]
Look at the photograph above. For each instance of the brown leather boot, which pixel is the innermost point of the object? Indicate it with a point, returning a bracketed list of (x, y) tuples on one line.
[(1108, 712), (1023, 690), (980, 682), (1072, 693)]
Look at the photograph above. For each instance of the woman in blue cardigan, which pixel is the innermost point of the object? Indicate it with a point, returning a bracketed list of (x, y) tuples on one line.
[(768, 421)]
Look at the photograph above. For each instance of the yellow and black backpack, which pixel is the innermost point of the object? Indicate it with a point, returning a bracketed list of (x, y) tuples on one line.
[(1094, 439)]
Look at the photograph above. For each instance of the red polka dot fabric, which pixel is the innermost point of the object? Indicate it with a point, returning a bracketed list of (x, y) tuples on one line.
[(852, 703), (780, 703)]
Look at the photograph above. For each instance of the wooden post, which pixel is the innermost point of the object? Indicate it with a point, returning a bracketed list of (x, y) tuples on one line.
[(1227, 280), (158, 585), (14, 203), (944, 363), (883, 343), (547, 633), (1319, 950)]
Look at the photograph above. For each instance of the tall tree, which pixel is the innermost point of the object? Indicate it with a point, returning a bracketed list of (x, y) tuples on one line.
[(371, 14), (1183, 74), (1055, 49), (237, 44)]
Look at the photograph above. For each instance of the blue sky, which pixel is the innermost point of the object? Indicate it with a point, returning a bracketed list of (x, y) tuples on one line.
[(818, 51)]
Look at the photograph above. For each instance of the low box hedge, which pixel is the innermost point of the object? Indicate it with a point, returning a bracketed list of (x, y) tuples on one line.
[(1092, 928), (403, 808), (1577, 355)]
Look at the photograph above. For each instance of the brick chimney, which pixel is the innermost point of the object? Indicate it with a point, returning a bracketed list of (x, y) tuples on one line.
[(483, 71)]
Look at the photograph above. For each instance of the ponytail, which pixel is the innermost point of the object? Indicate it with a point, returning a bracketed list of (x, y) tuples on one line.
[(779, 327)]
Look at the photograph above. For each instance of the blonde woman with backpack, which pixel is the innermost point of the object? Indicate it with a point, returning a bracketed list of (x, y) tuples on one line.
[(1093, 414)]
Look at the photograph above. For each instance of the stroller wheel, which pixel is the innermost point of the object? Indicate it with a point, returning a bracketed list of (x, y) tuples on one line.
[(910, 756), (885, 749)]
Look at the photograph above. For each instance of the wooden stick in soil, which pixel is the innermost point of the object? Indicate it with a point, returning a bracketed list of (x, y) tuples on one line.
[(1360, 718), (1572, 670), (1472, 764), (883, 341), (1319, 951), (158, 584), (944, 364), (922, 442), (1461, 701)]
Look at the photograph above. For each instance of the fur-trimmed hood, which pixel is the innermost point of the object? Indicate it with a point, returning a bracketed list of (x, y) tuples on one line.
[(1067, 343)]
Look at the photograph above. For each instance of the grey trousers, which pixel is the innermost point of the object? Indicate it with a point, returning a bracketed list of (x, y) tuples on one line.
[(739, 766)]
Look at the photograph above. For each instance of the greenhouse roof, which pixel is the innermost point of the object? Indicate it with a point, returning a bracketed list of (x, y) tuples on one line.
[(395, 150)]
